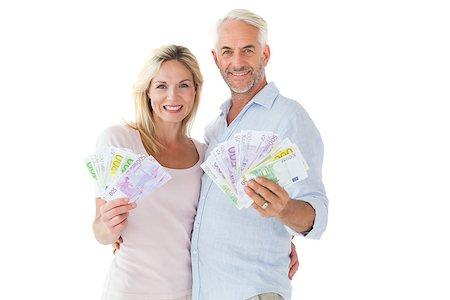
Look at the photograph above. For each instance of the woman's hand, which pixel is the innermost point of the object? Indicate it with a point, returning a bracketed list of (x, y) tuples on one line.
[(114, 215), (111, 219)]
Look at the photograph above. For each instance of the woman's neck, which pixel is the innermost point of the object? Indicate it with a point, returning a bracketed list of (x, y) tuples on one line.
[(170, 135)]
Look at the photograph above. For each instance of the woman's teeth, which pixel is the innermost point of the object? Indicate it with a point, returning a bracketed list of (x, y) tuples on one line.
[(173, 108)]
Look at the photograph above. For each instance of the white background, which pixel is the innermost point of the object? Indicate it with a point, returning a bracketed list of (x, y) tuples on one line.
[(374, 76)]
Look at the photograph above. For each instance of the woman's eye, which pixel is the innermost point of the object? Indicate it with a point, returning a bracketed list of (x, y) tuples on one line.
[(184, 85), (160, 86)]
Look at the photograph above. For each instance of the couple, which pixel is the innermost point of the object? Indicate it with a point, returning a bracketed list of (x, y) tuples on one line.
[(186, 240)]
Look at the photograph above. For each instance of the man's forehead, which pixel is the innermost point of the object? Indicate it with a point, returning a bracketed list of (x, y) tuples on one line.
[(237, 34)]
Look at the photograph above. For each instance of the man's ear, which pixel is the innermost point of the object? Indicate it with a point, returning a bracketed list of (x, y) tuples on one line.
[(266, 53), (213, 52)]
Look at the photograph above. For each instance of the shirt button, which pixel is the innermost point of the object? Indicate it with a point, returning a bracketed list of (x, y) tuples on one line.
[(197, 225), (194, 251)]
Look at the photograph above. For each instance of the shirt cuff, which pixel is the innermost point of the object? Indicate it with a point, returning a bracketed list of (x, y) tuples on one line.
[(320, 220)]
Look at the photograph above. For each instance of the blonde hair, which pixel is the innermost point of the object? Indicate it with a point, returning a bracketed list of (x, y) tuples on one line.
[(144, 119)]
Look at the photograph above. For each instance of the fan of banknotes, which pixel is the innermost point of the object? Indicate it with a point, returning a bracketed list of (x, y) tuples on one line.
[(119, 172), (250, 154)]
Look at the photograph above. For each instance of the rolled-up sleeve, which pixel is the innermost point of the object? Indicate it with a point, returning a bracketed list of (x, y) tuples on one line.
[(304, 133)]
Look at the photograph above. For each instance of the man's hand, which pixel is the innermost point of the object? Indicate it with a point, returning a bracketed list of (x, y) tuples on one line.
[(293, 265), (116, 245), (269, 199)]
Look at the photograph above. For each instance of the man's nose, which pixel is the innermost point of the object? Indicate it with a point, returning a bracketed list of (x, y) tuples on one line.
[(238, 60)]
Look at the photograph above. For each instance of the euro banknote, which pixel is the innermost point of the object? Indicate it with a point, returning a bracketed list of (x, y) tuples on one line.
[(250, 154), (118, 172)]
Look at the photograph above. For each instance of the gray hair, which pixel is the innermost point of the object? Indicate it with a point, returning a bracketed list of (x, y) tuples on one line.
[(247, 17)]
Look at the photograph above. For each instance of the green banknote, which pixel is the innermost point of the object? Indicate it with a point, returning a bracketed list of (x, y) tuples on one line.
[(284, 171)]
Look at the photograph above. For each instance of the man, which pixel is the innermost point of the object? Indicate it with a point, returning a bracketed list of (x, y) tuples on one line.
[(244, 254)]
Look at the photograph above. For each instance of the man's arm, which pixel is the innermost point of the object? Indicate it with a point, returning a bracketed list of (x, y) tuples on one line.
[(296, 214)]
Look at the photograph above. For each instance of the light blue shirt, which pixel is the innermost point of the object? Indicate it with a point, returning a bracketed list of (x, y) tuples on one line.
[(237, 254)]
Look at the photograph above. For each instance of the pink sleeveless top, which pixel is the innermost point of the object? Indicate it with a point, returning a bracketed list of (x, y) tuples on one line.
[(154, 260)]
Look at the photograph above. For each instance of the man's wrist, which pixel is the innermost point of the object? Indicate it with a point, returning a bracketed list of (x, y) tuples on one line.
[(283, 215)]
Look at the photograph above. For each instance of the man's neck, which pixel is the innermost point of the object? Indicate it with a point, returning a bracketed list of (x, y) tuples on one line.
[(239, 101)]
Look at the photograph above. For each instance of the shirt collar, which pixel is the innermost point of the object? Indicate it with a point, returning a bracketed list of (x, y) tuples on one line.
[(265, 97)]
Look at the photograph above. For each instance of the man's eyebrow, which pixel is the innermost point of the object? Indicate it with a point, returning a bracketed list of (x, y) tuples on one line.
[(245, 47)]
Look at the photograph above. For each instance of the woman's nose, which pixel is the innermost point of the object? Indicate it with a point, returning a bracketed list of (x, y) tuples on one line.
[(171, 93)]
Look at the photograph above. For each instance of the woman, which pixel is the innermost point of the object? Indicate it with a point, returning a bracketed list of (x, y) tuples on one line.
[(154, 257)]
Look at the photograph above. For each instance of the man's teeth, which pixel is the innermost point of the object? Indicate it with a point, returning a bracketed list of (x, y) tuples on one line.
[(241, 73), (173, 107)]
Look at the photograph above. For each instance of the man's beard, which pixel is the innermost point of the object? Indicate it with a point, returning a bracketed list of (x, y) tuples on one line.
[(256, 78)]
